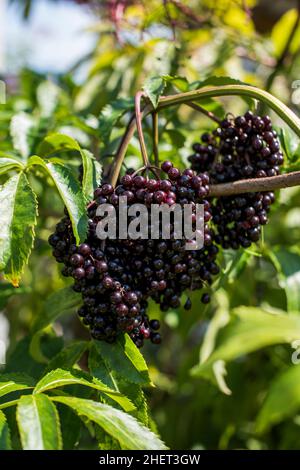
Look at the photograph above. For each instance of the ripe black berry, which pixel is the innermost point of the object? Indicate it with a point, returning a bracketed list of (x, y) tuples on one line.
[(84, 249), (173, 173), (166, 166), (188, 304), (205, 298), (156, 338), (76, 260), (79, 273)]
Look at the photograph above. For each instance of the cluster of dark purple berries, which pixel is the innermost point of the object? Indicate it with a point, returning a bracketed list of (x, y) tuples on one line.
[(117, 277), (241, 148), (110, 304)]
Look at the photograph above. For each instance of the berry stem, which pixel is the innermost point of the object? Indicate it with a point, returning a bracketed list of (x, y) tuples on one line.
[(202, 110), (155, 170), (254, 185), (138, 118), (155, 137), (116, 167), (121, 152)]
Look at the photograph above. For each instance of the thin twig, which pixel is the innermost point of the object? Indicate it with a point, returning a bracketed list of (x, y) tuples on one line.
[(91, 204), (254, 185), (138, 118), (155, 137), (204, 111), (155, 170), (116, 167), (120, 154)]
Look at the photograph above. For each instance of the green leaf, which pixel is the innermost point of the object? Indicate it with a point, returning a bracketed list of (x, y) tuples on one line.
[(56, 143), (282, 400), (70, 192), (176, 137), (111, 114), (154, 88), (216, 81), (68, 356), (19, 360), (13, 382), (182, 85), (220, 319), (214, 106), (290, 143), (35, 349), (71, 426), (105, 441), (5, 442), (124, 359), (110, 377), (178, 82), (17, 219), (287, 263), (61, 302), (38, 423), (123, 427), (136, 395), (61, 378), (8, 163), (21, 127), (234, 264), (250, 329), (92, 172), (101, 369)]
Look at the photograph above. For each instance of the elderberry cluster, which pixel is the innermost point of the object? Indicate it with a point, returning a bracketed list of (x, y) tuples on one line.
[(110, 305), (241, 148), (117, 277)]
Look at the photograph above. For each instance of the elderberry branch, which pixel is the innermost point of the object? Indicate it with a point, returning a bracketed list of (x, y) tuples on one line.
[(254, 185)]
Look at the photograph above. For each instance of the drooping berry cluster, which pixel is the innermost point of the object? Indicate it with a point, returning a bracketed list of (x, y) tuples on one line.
[(117, 277), (241, 148), (109, 304)]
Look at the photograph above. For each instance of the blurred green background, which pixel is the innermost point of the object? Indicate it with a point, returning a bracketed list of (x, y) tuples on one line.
[(250, 398)]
